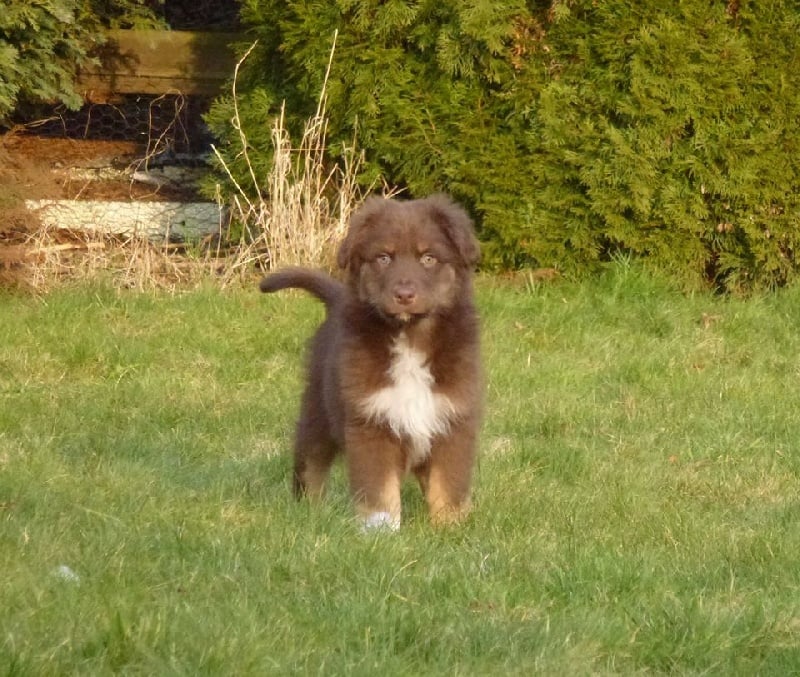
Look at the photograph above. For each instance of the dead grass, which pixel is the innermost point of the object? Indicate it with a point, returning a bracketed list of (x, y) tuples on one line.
[(53, 257), (300, 210)]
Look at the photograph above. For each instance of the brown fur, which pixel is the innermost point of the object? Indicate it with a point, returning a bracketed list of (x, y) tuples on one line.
[(394, 374)]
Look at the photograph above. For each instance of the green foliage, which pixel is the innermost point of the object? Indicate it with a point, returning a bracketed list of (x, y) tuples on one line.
[(670, 131), (43, 45), (574, 129)]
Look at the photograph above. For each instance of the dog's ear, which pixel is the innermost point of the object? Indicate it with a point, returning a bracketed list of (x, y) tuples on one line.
[(360, 223), (457, 226)]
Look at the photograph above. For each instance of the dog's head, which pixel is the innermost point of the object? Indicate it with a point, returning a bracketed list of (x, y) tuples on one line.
[(409, 259)]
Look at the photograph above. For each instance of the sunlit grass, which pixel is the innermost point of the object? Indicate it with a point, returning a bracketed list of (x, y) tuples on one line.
[(637, 497)]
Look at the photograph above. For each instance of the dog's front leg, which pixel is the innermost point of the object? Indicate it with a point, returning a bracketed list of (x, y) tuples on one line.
[(446, 478), (375, 469)]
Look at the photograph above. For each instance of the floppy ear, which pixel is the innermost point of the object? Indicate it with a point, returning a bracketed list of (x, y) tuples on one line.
[(457, 226), (360, 222)]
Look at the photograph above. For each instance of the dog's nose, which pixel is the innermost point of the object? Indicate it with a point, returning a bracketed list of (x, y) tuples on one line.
[(405, 293)]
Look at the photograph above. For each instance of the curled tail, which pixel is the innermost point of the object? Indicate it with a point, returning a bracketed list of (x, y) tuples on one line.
[(320, 284)]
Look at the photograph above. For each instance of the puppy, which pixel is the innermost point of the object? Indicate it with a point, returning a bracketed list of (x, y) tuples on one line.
[(394, 376)]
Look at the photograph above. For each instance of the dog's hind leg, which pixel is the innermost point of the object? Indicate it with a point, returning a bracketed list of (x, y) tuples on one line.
[(314, 446), (311, 469), (314, 453)]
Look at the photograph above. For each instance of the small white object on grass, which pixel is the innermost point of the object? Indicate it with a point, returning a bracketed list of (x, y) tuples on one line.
[(64, 573), (380, 521)]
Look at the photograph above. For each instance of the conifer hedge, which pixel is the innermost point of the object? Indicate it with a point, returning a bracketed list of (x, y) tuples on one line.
[(44, 43), (576, 130)]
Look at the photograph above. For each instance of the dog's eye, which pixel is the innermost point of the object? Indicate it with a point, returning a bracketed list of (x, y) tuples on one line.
[(428, 260), (383, 259)]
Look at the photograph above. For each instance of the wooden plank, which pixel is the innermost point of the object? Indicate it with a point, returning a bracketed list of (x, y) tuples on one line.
[(157, 62), (154, 220)]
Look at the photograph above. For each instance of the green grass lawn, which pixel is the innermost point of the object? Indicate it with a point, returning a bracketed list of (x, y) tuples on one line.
[(637, 500)]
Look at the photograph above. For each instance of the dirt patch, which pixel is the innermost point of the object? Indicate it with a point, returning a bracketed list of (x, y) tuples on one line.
[(35, 168)]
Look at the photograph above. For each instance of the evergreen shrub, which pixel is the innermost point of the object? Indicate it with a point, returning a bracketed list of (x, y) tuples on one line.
[(43, 44), (576, 130)]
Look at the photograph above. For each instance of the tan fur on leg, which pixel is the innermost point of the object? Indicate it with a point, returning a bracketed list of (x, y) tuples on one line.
[(445, 507), (375, 469)]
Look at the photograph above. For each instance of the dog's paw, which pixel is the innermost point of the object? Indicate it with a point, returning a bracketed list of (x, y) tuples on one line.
[(382, 521)]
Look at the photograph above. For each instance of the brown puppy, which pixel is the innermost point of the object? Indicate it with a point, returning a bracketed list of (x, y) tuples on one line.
[(394, 374)]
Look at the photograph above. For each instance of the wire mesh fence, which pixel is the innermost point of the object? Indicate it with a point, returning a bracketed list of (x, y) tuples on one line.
[(159, 123), (197, 15)]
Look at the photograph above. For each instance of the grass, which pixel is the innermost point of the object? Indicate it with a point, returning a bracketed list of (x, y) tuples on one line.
[(637, 498)]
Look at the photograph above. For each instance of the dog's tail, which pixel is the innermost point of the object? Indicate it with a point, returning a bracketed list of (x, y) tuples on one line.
[(320, 284)]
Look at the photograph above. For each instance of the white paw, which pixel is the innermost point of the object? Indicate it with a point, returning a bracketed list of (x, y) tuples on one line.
[(380, 520)]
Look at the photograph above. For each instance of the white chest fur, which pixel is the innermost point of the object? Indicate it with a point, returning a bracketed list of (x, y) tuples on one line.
[(409, 405)]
